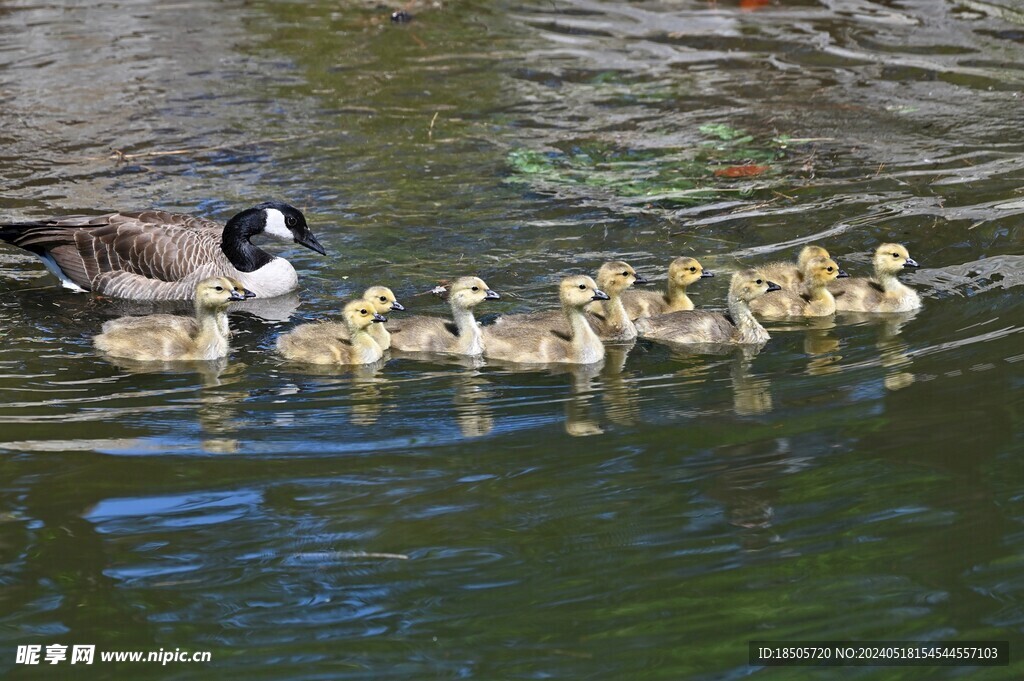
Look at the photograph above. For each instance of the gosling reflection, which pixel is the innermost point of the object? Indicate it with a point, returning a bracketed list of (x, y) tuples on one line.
[(621, 397), (751, 395), (581, 419), (472, 403), (367, 388), (893, 352)]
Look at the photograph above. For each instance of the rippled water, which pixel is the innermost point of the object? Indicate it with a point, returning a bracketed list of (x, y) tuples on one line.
[(855, 480)]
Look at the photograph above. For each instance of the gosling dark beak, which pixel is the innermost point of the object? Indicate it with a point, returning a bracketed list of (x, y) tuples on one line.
[(640, 279), (397, 306), (706, 273), (842, 274), (491, 295), (379, 317), (599, 295), (911, 263), (309, 241), (772, 286), (245, 293)]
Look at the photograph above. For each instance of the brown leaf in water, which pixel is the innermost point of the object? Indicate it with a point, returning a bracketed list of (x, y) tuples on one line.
[(741, 171)]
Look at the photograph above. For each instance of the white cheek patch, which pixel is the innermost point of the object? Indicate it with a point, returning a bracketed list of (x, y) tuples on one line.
[(276, 227)]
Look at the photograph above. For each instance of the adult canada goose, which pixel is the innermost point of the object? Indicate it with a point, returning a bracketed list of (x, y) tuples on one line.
[(155, 255), (699, 326), (163, 337), (790, 275), (814, 300), (883, 292), (607, 317), (518, 340), (383, 300), (682, 272), (317, 344), (460, 336)]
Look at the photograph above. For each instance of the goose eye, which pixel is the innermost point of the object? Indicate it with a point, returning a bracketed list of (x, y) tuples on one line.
[(583, 287), (291, 221), (758, 282)]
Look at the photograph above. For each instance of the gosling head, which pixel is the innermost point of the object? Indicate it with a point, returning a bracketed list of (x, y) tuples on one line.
[(892, 259), (616, 276), (579, 291), (383, 299), (684, 271), (749, 284), (808, 253), (217, 292), (359, 314), (468, 292), (820, 271)]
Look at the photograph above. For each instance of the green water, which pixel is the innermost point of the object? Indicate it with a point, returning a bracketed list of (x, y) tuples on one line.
[(856, 480)]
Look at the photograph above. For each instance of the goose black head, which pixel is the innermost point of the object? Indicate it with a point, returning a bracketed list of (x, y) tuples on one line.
[(287, 223)]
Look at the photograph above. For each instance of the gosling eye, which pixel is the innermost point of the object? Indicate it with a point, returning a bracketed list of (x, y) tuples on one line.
[(219, 288), (625, 274), (362, 312), (583, 287), (758, 282), (895, 255), (693, 269), (291, 221), (829, 269), (476, 288), (383, 299)]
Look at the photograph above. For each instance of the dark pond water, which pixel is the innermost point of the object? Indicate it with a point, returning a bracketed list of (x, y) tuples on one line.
[(856, 480)]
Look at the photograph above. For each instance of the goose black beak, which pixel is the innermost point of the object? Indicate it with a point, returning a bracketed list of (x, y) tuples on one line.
[(397, 306), (911, 263), (379, 317), (772, 286), (491, 295), (599, 295), (310, 242), (640, 279), (842, 274), (706, 273)]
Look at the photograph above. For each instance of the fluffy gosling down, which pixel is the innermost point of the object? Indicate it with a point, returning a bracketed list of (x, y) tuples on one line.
[(319, 343), (519, 340), (682, 272), (882, 293), (162, 337), (814, 300), (791, 275), (460, 336), (383, 300), (699, 326)]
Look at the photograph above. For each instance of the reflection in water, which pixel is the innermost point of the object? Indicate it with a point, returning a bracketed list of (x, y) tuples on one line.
[(751, 395), (619, 394), (471, 402), (580, 417), (893, 352)]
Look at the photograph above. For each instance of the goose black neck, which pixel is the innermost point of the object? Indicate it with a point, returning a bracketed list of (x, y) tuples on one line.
[(243, 255)]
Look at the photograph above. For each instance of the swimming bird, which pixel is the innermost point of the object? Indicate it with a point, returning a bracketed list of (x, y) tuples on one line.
[(700, 326), (682, 272), (519, 340), (163, 337), (156, 255), (814, 300), (882, 293), (460, 336), (383, 300), (318, 344), (790, 275)]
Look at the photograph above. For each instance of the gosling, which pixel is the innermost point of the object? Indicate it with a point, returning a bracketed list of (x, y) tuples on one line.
[(607, 317), (814, 301), (518, 340), (163, 337), (461, 336), (698, 326), (681, 274), (883, 292), (383, 300), (789, 275), (319, 343)]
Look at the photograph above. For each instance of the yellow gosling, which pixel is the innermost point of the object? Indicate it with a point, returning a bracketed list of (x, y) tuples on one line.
[(699, 326), (162, 337), (460, 336), (682, 273), (814, 300), (882, 293), (518, 340), (319, 343), (791, 275)]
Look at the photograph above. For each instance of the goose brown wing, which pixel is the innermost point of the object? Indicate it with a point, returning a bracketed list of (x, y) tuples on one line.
[(152, 244)]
